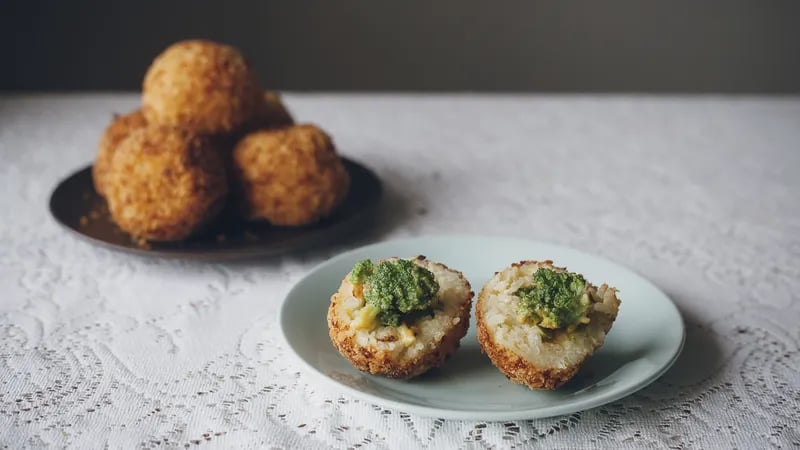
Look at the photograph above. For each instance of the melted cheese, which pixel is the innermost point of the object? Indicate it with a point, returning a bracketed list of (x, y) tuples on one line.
[(365, 318), (406, 335)]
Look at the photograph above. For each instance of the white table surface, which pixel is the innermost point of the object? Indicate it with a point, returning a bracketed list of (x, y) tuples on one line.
[(699, 194)]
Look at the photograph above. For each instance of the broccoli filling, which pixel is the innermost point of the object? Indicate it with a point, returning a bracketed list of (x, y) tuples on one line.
[(401, 290), (555, 300)]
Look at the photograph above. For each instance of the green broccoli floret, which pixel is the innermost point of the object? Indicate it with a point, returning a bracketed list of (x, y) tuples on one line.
[(555, 300), (362, 271), (400, 289)]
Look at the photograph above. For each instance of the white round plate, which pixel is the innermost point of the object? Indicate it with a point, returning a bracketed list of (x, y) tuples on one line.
[(644, 342)]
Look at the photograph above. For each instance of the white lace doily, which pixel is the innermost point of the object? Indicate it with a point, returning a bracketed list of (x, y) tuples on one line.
[(700, 195)]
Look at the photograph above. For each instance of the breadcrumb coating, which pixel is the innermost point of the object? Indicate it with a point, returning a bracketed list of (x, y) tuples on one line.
[(165, 183), (288, 176), (203, 86), (119, 128)]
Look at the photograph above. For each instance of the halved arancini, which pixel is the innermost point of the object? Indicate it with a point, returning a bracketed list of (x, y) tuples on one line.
[(539, 327), (412, 343)]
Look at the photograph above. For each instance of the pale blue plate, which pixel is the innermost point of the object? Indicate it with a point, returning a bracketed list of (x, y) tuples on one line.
[(644, 342)]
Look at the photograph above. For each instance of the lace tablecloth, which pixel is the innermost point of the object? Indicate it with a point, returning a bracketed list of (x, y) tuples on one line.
[(700, 195)]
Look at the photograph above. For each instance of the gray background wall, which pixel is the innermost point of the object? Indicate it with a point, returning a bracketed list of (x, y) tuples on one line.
[(572, 45)]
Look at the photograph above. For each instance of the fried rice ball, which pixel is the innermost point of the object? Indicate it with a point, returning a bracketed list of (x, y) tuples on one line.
[(289, 176), (272, 113), (165, 183), (203, 86), (409, 349), (119, 128), (534, 355)]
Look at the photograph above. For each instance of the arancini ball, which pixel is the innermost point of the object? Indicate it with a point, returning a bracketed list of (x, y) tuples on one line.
[(288, 176), (538, 322), (119, 128), (203, 86), (399, 317), (165, 183)]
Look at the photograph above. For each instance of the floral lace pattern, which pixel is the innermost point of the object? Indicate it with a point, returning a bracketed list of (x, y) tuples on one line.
[(700, 195)]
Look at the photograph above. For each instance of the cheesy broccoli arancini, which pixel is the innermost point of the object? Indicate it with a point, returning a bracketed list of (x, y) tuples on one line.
[(399, 317), (288, 176), (538, 323), (203, 86), (165, 183), (119, 128)]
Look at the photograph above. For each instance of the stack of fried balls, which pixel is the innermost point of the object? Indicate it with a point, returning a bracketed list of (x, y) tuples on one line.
[(207, 133)]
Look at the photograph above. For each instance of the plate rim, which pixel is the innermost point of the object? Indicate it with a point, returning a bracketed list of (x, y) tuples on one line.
[(485, 416), (339, 230)]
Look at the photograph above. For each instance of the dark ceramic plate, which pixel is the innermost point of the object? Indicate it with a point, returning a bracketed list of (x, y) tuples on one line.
[(76, 206)]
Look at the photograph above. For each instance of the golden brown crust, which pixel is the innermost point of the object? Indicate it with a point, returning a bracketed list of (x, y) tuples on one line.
[(289, 176), (201, 85), (545, 262), (378, 362), (165, 183), (119, 128)]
